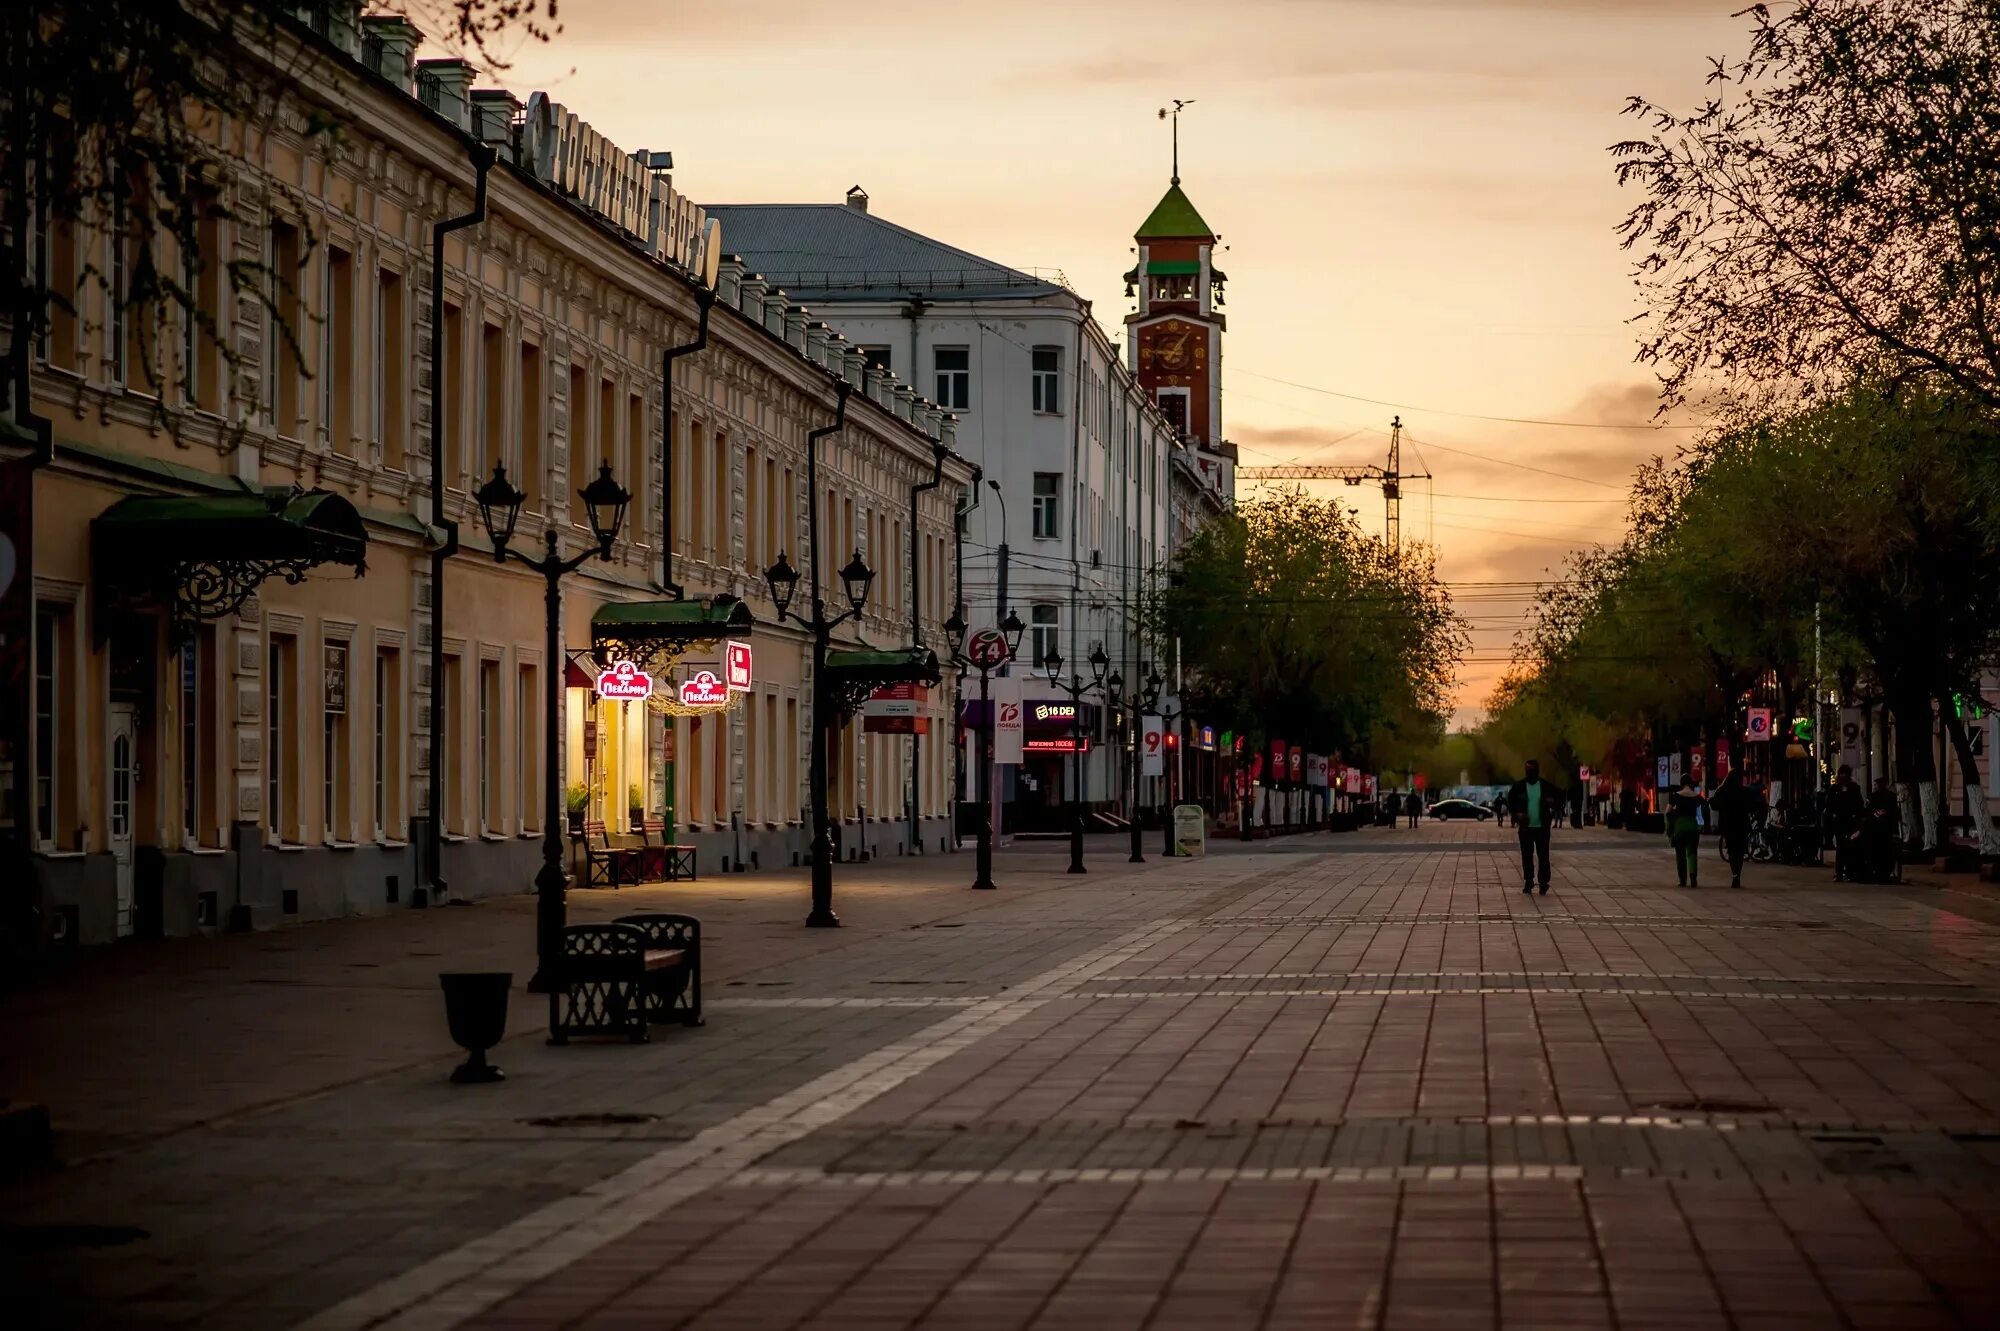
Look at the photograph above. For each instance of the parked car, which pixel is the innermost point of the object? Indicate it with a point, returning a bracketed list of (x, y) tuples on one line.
[(1460, 809)]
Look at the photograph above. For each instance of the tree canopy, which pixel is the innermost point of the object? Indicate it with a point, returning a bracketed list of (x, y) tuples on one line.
[(1296, 624)]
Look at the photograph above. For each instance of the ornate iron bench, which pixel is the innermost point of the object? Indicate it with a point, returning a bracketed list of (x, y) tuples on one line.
[(606, 865), (668, 862), (607, 982), (674, 992)]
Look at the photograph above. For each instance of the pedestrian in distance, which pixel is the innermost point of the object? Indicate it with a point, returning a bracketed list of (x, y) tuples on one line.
[(1499, 811), (1534, 805), (1684, 819), (1415, 804), (1846, 809), (1735, 806)]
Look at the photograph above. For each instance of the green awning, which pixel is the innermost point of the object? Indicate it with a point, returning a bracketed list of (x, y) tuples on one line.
[(655, 634), (1174, 218), (203, 555), (1174, 267), (852, 675)]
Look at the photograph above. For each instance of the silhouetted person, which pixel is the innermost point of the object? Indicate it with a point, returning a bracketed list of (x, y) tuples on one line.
[(1414, 804), (1534, 805), (1684, 807), (1735, 806), (1845, 810)]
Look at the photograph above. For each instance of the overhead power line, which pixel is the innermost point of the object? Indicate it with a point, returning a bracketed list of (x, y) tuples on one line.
[(1470, 415)]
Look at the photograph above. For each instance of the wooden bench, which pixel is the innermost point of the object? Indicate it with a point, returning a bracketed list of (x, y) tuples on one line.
[(674, 993), (609, 980), (668, 863), (606, 865)]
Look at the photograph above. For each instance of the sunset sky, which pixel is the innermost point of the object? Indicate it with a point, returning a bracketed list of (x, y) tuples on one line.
[(1416, 196)]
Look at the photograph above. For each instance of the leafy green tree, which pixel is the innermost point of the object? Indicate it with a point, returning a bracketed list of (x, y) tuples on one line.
[(1297, 624), (1832, 205)]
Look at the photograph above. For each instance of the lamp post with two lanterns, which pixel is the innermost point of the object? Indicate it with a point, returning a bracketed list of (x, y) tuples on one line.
[(604, 502), (1075, 689), (989, 650), (1138, 705)]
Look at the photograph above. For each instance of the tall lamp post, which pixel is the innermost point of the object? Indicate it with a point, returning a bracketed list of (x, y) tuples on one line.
[(989, 650), (604, 502), (1137, 706), (854, 581), (1167, 715), (1075, 689)]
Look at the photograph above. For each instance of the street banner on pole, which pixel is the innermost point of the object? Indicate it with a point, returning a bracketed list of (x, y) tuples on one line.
[(1007, 730), (1152, 757)]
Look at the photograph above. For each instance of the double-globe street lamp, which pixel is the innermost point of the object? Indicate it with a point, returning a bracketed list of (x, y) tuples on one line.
[(604, 502), (784, 582), (990, 649), (1137, 706), (1075, 690)]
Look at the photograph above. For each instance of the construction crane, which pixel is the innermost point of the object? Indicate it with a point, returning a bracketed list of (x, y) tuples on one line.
[(1390, 478)]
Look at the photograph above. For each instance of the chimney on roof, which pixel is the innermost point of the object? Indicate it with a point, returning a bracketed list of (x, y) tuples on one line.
[(857, 198)]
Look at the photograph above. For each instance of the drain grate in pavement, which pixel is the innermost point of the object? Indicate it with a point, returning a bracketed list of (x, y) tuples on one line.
[(1609, 1146), (600, 1120)]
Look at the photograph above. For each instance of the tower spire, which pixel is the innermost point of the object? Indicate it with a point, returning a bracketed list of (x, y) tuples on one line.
[(1176, 114)]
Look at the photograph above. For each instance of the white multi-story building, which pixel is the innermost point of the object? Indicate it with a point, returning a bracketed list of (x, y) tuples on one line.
[(1076, 452)]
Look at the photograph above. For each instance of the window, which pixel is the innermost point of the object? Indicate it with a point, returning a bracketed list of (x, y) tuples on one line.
[(492, 434), (336, 351), (527, 751), (335, 784), (197, 749), (48, 650), (1047, 378), (1044, 625), (954, 378), (453, 360), (1048, 504), (1174, 406), (388, 738), (392, 403), (638, 471), (116, 293), (281, 325), (531, 480), (878, 358), (446, 699), (489, 746), (278, 747)]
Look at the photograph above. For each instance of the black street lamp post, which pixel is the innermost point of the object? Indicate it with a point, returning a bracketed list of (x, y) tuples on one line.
[(604, 503), (1075, 689), (989, 652), (1137, 706), (1168, 716), (783, 580)]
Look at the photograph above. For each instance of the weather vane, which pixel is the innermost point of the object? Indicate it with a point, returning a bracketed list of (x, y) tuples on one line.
[(1176, 114)]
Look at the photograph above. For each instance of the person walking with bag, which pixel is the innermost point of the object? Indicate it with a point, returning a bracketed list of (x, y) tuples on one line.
[(1534, 804), (1684, 812), (1734, 805)]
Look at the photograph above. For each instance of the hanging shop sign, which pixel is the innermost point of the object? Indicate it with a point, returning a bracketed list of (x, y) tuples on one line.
[(1204, 739), (1052, 727), (736, 665), (895, 709), (703, 689), (335, 663), (624, 682), (1758, 727)]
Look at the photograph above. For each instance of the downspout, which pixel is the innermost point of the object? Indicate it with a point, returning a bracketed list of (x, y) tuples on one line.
[(482, 162), (917, 640), (705, 299)]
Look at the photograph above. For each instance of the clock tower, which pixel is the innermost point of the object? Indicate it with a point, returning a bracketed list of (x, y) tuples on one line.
[(1174, 340)]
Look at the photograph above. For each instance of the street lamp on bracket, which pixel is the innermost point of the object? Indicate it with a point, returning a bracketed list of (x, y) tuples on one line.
[(499, 502), (1075, 689), (989, 651)]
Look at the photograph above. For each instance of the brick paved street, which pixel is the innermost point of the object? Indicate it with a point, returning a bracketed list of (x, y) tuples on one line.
[(1355, 1082)]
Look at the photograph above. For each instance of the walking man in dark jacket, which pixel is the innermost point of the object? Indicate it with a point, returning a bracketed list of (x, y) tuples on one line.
[(1734, 805), (1846, 808), (1534, 805)]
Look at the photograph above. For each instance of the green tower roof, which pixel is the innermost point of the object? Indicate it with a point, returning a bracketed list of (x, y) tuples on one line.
[(1174, 218)]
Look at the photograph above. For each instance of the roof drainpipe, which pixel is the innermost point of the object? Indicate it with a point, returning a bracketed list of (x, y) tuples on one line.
[(704, 298), (482, 162)]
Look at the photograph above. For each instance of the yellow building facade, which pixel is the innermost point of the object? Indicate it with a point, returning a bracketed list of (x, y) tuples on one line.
[(204, 754)]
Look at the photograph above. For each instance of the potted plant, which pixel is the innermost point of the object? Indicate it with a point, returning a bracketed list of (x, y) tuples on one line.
[(577, 800), (635, 804)]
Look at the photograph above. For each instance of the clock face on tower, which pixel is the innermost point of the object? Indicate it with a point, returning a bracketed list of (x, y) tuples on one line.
[(1173, 348)]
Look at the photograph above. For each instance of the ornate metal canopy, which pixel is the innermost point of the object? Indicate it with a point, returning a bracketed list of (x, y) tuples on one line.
[(201, 556), (851, 676), (655, 635)]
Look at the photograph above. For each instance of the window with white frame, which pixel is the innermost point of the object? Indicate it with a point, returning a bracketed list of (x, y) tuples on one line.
[(280, 750), (1048, 505), (954, 377), (388, 730), (489, 746), (1044, 622), (333, 741), (1046, 377), (48, 721)]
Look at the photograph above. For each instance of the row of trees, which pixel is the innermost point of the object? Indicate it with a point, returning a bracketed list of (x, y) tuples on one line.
[(1297, 625), (1819, 254)]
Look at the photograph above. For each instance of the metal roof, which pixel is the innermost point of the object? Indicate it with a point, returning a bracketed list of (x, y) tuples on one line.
[(1174, 218), (825, 253)]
